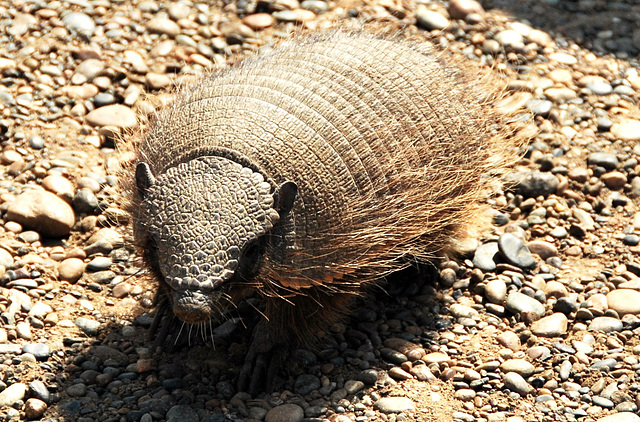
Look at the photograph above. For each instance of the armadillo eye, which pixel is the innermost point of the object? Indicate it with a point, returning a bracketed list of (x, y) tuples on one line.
[(251, 259)]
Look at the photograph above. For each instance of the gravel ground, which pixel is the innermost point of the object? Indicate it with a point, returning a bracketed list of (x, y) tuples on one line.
[(540, 320)]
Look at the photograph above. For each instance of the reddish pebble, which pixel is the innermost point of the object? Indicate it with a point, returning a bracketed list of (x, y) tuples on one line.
[(258, 21)]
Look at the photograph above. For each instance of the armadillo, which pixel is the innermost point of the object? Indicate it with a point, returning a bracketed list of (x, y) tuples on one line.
[(307, 173)]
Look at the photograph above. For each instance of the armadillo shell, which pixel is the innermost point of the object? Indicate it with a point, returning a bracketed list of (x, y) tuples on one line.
[(390, 147)]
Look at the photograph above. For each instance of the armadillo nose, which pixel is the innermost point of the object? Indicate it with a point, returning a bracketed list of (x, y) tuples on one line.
[(191, 306)]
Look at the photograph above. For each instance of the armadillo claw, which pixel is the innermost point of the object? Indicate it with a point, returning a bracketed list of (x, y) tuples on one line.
[(262, 363)]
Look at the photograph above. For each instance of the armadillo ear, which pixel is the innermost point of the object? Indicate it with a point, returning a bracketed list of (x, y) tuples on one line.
[(144, 178), (286, 196)]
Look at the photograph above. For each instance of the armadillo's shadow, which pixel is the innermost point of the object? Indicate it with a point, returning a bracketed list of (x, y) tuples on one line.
[(117, 374)]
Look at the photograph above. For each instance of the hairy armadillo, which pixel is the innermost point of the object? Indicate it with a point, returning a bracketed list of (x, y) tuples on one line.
[(306, 173)]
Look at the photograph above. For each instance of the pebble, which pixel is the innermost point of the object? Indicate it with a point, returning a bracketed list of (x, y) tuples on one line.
[(533, 183), (10, 395), (306, 383), (71, 269), (520, 303), (79, 23), (484, 257), (182, 413), (605, 324), (614, 180), (160, 25), (519, 366), (627, 130), (116, 115), (516, 383), (34, 408), (601, 159), (394, 404), (496, 291), (624, 301), (553, 325), (430, 20), (460, 9), (513, 249), (39, 350), (285, 413), (510, 38), (42, 211), (540, 107), (544, 250), (258, 21), (6, 260), (89, 326), (620, 417)]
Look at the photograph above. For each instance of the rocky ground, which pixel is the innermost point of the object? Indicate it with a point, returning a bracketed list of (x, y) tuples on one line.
[(541, 321)]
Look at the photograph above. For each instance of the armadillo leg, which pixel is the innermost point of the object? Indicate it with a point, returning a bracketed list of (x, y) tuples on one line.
[(263, 361)]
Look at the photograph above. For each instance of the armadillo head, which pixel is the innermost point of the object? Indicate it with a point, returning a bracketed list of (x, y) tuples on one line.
[(205, 224)]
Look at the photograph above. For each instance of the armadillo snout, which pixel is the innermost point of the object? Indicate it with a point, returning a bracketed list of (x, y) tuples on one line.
[(192, 306)]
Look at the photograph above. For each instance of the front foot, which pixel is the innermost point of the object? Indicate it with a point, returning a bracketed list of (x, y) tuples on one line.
[(264, 359)]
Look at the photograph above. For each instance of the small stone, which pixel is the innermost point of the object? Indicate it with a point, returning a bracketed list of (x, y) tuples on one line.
[(624, 301), (89, 326), (79, 23), (77, 390), (459, 9), (601, 159), (555, 289), (533, 183), (34, 408), (627, 130), (411, 350), (6, 260), (520, 303), (422, 373), (540, 107), (306, 383), (516, 383), (39, 350), (259, 21), (430, 20), (484, 257), (159, 25), (353, 386), (121, 290), (510, 340), (515, 251), (551, 326), (605, 324), (564, 58), (399, 374), (394, 404), (39, 390), (10, 395), (71, 269), (116, 115), (285, 413), (614, 180), (435, 357), (465, 394), (543, 249), (157, 80), (519, 366), (510, 38), (182, 413), (621, 417), (496, 291), (560, 95), (42, 211), (59, 185)]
